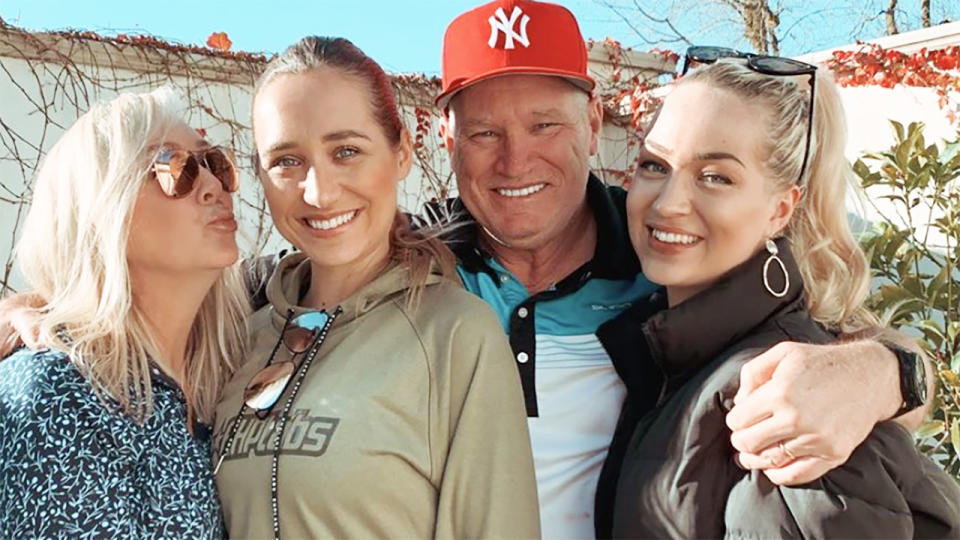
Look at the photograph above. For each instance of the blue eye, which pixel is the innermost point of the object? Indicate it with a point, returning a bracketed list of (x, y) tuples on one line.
[(652, 167), (716, 179), (345, 152), (285, 162), (483, 134)]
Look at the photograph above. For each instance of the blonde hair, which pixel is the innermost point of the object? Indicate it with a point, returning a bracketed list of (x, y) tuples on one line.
[(421, 251), (834, 268), (74, 254)]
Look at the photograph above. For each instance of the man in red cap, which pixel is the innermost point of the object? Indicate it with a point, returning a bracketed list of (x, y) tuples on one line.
[(545, 243)]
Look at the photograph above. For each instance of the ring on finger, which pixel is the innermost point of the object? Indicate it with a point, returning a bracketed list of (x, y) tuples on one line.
[(786, 451)]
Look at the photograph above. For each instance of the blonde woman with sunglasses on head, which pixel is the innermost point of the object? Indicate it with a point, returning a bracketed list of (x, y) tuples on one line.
[(738, 210), (130, 239)]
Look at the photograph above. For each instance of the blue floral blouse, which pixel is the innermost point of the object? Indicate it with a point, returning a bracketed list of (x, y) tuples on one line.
[(71, 468)]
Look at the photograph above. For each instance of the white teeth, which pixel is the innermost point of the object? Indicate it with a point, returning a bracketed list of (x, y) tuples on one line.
[(332, 223), (673, 238), (522, 192)]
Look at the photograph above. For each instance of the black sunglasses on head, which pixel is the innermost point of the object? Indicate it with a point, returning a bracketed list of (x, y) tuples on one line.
[(768, 65)]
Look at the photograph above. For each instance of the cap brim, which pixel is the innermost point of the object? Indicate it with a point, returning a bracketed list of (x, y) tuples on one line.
[(584, 82)]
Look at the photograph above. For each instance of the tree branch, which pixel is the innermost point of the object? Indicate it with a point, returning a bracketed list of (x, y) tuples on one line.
[(891, 19), (674, 36)]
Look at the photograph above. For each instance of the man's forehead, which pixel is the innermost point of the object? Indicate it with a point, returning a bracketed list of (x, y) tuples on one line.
[(538, 87)]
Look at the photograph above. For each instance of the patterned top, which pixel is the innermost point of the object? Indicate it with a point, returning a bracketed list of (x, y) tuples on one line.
[(71, 468)]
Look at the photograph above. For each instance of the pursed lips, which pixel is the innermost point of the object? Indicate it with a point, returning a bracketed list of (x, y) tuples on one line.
[(221, 217), (224, 221)]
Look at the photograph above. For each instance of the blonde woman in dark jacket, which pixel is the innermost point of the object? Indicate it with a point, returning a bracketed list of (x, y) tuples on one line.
[(738, 211)]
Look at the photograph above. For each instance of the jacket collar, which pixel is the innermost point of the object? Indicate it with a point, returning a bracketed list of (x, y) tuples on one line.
[(613, 257), (685, 337)]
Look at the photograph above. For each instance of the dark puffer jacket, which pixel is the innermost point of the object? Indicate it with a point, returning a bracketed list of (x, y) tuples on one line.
[(678, 478)]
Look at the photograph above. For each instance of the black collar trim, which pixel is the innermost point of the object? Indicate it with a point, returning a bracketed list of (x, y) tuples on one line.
[(684, 338)]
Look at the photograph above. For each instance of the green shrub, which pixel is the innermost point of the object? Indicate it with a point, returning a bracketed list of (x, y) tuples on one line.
[(914, 255)]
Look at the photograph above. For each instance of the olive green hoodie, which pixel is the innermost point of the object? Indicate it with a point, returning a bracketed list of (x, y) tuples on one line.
[(407, 425)]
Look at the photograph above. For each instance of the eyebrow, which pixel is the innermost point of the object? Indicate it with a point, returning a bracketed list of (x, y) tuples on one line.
[(714, 156), (344, 134), (707, 156), (548, 112), (334, 136), (279, 147), (538, 114)]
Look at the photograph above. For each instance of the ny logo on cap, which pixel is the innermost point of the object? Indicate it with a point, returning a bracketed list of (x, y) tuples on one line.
[(502, 24)]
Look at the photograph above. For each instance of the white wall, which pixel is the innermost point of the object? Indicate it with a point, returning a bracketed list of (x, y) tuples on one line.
[(869, 111)]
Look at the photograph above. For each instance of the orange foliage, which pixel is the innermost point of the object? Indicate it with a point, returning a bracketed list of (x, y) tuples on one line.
[(219, 41)]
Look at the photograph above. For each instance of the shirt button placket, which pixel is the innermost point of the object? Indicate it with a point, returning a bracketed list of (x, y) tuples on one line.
[(523, 341)]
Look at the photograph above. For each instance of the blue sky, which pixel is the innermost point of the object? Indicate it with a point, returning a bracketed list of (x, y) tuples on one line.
[(404, 36)]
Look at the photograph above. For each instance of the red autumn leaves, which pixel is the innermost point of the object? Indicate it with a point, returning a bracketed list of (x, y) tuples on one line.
[(219, 41), (872, 65)]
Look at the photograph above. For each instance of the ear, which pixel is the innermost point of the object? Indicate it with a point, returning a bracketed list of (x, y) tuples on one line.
[(783, 208), (595, 119), (404, 155), (446, 130)]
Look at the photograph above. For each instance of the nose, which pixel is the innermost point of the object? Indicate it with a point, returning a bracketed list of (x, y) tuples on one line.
[(673, 198), (319, 190), (209, 188), (514, 154)]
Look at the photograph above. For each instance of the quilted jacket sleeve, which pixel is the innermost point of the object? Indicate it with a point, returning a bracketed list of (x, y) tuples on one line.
[(885, 490)]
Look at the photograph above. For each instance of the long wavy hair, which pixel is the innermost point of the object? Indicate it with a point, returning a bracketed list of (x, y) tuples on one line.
[(418, 250), (834, 268), (74, 254)]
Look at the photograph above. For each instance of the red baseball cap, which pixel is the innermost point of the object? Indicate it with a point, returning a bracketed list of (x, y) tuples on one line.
[(513, 37)]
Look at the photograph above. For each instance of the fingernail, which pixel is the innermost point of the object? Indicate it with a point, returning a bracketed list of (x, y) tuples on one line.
[(727, 404), (736, 460)]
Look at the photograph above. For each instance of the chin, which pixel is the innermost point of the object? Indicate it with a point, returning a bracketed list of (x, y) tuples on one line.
[(331, 258), (516, 240), (226, 256), (658, 272)]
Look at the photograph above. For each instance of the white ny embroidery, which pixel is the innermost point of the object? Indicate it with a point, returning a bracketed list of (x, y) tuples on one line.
[(502, 24)]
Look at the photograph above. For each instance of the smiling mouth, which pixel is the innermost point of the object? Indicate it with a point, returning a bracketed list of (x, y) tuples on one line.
[(521, 192), (334, 222), (673, 238)]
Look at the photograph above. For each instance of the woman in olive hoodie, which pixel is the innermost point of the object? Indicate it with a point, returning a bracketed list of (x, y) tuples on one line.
[(746, 231), (380, 398)]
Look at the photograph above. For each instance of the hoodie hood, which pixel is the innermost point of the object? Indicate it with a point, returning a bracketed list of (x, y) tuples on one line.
[(291, 280)]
